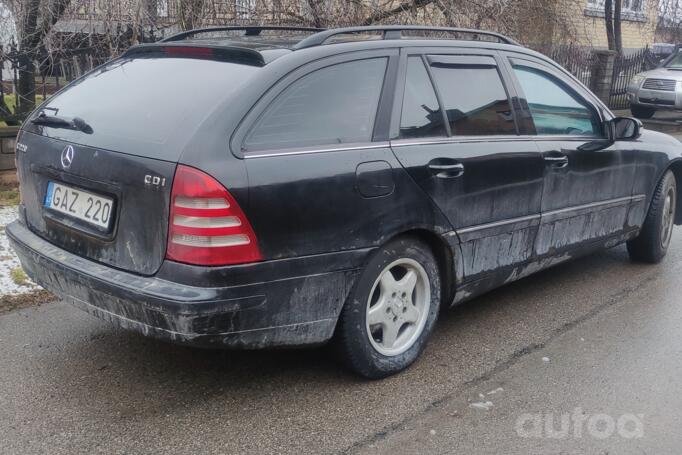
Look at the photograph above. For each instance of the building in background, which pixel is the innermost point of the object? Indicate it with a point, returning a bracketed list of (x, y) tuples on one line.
[(581, 22), (639, 18)]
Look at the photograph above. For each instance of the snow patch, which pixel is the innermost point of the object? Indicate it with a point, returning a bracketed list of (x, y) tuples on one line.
[(485, 405), (9, 260)]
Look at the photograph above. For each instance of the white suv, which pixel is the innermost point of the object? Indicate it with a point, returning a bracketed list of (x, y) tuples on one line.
[(660, 88)]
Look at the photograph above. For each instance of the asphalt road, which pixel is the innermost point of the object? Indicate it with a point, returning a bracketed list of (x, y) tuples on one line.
[(599, 337)]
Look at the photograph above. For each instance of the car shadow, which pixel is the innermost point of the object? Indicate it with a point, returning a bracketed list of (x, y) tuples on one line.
[(129, 375)]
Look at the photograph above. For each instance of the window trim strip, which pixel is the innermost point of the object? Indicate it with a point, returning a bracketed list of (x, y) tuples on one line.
[(309, 151), (500, 138), (436, 90)]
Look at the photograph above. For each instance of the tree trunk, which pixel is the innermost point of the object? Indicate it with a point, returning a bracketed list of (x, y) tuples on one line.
[(152, 10), (608, 20), (31, 36), (28, 42), (617, 35)]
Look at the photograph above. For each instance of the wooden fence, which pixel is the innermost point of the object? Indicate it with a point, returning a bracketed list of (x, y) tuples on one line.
[(7, 140)]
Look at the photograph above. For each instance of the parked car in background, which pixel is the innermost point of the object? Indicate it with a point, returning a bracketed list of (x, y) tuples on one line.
[(663, 50), (267, 192), (657, 89)]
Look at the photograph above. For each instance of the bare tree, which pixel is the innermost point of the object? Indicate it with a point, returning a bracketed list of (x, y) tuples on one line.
[(669, 26), (613, 22), (617, 22), (190, 13), (114, 25), (35, 19), (380, 15)]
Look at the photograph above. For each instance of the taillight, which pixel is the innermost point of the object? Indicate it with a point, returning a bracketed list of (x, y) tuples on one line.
[(188, 51), (207, 226)]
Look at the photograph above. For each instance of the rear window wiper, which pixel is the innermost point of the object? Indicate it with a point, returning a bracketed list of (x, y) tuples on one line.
[(55, 121)]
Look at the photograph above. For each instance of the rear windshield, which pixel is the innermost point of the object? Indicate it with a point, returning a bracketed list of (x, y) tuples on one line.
[(140, 105)]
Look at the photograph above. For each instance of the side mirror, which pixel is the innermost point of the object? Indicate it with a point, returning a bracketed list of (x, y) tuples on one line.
[(625, 128)]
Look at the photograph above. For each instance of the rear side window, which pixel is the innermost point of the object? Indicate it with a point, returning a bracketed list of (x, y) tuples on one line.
[(555, 110), (421, 115), (333, 105), (473, 96)]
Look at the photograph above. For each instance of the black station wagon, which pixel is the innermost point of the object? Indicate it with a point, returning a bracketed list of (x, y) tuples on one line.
[(267, 187)]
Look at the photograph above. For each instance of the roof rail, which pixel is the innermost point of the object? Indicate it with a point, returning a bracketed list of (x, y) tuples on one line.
[(394, 32), (250, 30)]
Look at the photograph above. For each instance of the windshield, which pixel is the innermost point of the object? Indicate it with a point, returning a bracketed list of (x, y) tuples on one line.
[(675, 62), (141, 105)]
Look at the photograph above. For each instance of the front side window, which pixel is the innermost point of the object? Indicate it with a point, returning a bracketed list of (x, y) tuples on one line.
[(333, 105), (675, 62), (473, 96), (421, 114), (554, 109)]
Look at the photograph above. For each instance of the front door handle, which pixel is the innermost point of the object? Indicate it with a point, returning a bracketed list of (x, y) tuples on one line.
[(445, 168), (556, 160)]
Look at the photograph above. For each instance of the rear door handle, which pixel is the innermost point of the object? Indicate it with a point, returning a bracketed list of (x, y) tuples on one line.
[(445, 168), (559, 161)]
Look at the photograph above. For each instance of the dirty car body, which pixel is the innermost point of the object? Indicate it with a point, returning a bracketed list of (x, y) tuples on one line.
[(322, 154)]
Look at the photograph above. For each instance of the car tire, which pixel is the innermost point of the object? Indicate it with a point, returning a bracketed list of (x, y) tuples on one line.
[(642, 111), (654, 239), (390, 314)]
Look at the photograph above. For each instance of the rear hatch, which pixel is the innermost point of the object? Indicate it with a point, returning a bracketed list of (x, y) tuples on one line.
[(97, 168)]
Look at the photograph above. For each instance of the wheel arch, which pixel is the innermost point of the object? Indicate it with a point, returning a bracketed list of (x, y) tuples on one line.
[(446, 258)]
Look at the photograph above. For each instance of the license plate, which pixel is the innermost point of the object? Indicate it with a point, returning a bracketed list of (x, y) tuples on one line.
[(79, 204)]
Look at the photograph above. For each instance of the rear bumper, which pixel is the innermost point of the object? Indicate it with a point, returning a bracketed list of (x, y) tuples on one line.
[(290, 302)]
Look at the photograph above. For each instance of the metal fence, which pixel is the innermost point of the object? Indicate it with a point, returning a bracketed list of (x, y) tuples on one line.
[(625, 67), (52, 72), (578, 60)]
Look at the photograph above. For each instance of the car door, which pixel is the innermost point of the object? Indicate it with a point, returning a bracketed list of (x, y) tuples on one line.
[(455, 133), (588, 190), (316, 166)]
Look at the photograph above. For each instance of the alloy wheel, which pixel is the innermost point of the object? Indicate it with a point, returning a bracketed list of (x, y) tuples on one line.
[(398, 307)]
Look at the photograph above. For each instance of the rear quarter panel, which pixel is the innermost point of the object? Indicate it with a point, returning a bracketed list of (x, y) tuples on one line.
[(310, 203)]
